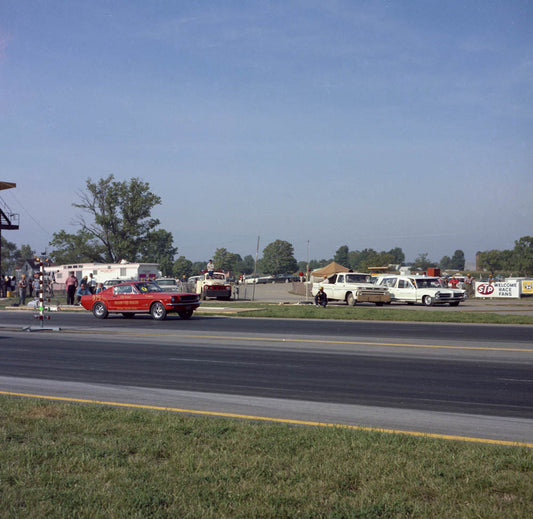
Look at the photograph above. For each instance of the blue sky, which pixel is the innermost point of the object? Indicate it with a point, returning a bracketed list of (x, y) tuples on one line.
[(369, 124)]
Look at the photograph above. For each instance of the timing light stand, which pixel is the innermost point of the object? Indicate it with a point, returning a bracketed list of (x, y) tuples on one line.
[(42, 309)]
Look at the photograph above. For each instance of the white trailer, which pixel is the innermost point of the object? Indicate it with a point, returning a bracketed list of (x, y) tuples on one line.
[(103, 272)]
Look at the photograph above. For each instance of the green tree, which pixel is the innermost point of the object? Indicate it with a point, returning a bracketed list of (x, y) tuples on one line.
[(225, 260), (445, 262), (491, 260), (118, 219), (25, 252), (422, 262), (182, 266), (522, 256), (246, 266), (278, 258), (458, 260), (9, 257), (361, 260), (198, 267), (397, 256), (341, 256), (158, 248), (76, 248)]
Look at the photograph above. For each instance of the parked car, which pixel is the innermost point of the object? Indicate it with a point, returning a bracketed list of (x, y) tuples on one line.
[(111, 282), (169, 284), (140, 297), (265, 279), (420, 289), (286, 278)]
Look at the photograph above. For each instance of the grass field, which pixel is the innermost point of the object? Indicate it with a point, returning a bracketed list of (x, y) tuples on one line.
[(366, 313), (67, 460)]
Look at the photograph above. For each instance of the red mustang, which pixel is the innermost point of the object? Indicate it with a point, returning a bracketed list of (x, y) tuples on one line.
[(140, 297)]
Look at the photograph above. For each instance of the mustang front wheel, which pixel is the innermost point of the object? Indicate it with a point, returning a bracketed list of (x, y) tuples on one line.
[(158, 311), (100, 310)]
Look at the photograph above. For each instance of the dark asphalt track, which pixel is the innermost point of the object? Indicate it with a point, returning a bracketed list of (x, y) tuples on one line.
[(369, 329), (184, 355)]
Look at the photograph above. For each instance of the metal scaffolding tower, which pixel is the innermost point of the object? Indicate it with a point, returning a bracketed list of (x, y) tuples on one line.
[(8, 219)]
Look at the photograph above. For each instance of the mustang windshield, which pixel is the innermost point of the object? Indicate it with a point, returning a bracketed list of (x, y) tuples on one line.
[(143, 288)]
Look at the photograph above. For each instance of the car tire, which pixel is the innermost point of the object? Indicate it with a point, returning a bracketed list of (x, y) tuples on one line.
[(100, 310), (428, 301), (350, 299), (158, 311), (186, 314)]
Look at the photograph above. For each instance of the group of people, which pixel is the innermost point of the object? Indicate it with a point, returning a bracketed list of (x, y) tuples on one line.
[(23, 287), (86, 286)]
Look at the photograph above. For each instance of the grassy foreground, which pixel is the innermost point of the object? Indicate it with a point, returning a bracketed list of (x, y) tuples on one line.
[(66, 460), (369, 313)]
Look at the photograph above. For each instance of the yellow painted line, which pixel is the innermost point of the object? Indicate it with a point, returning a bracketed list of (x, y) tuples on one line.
[(312, 341), (275, 420)]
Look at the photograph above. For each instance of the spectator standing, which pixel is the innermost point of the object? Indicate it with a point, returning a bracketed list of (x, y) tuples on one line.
[(36, 286), (469, 285), (2, 287), (70, 285), (210, 268), (22, 285)]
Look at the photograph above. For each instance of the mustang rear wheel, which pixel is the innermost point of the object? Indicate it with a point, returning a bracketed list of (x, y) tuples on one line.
[(185, 314), (100, 310), (158, 311)]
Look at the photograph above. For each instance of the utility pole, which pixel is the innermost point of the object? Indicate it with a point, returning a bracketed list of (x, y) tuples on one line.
[(255, 268), (307, 274)]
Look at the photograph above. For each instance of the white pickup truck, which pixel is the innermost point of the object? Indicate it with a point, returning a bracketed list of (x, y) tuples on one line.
[(216, 286), (353, 288)]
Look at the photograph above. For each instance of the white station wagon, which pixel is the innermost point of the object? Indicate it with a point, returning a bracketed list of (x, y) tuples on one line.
[(420, 289)]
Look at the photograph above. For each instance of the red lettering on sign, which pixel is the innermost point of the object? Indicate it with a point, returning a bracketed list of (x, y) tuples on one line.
[(485, 289)]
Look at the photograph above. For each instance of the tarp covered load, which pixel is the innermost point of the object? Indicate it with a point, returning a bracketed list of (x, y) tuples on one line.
[(328, 270)]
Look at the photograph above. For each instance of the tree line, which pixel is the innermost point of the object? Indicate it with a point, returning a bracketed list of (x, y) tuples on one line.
[(116, 223), (518, 260)]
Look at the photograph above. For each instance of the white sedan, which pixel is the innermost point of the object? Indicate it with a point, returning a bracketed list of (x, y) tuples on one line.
[(420, 289)]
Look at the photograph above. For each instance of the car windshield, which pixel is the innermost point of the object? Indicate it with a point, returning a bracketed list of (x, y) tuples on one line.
[(428, 283), (143, 288), (218, 276)]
